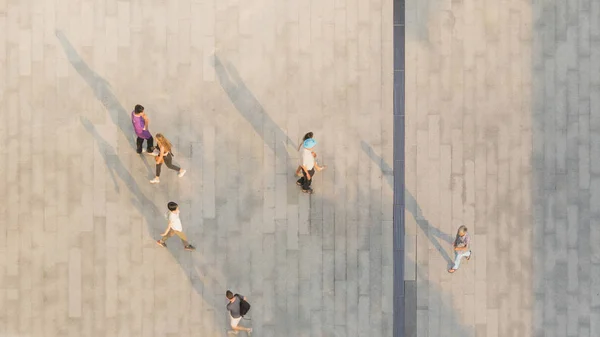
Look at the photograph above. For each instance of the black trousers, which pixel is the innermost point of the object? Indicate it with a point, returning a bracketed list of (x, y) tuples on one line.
[(305, 182), (149, 145), (169, 162)]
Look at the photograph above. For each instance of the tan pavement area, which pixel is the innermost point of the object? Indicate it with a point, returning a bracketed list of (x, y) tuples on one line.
[(234, 85), (503, 136)]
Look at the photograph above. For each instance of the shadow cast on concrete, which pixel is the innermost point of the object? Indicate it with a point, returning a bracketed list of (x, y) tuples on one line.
[(432, 321), (420, 321), (561, 271), (248, 106), (192, 264), (433, 234), (195, 269), (151, 170), (100, 87), (115, 167)]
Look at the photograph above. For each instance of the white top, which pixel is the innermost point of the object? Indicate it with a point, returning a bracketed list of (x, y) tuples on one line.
[(307, 159), (174, 222)]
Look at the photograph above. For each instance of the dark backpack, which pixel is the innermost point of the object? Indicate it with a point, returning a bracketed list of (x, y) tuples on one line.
[(244, 306)]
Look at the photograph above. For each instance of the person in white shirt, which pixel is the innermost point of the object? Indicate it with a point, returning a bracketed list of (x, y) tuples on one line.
[(308, 165), (306, 136), (174, 227)]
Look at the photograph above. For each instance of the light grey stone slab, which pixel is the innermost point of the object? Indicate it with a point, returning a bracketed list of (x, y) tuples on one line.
[(280, 195), (410, 258), (75, 289), (208, 171)]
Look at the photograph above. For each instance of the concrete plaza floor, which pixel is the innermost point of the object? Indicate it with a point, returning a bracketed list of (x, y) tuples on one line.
[(503, 136), (234, 85)]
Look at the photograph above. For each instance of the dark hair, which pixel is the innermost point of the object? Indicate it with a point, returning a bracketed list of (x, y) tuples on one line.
[(229, 294), (139, 109), (307, 136), (172, 206)]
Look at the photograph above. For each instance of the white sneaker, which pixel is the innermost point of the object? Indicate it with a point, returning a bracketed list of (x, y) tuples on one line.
[(181, 173), (153, 153), (155, 181)]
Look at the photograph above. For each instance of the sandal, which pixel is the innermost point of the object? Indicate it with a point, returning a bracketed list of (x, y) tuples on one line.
[(451, 271)]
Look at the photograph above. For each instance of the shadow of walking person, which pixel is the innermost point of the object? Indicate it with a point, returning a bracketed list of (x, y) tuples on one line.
[(250, 108), (194, 266), (433, 234), (100, 87), (115, 167), (280, 317)]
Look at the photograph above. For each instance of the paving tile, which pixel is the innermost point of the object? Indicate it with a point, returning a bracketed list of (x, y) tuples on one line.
[(410, 258), (75, 283)]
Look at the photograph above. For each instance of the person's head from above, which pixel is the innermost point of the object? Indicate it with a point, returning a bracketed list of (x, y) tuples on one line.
[(138, 109), (173, 207), (307, 136), (229, 296), (309, 143), (462, 230), (163, 141)]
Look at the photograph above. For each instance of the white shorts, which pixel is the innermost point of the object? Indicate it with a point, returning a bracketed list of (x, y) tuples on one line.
[(235, 321)]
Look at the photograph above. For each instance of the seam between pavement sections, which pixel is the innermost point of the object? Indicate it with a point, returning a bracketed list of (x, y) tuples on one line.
[(398, 215)]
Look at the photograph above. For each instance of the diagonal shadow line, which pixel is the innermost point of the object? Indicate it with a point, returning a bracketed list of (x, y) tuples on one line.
[(115, 166), (100, 87), (433, 234), (251, 109), (248, 106), (196, 271)]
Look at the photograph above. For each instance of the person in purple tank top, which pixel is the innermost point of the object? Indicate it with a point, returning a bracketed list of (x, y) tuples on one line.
[(140, 125)]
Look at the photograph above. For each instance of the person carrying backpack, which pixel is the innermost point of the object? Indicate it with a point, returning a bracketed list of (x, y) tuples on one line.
[(238, 306)]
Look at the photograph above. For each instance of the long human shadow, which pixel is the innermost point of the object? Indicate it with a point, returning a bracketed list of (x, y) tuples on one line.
[(443, 320), (196, 270), (116, 168), (100, 87), (249, 107), (433, 234)]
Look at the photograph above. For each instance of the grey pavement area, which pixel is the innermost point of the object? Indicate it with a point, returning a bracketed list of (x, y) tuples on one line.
[(234, 85), (503, 136)]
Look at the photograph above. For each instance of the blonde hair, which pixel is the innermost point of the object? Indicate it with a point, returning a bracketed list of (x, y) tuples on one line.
[(462, 229), (164, 142)]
